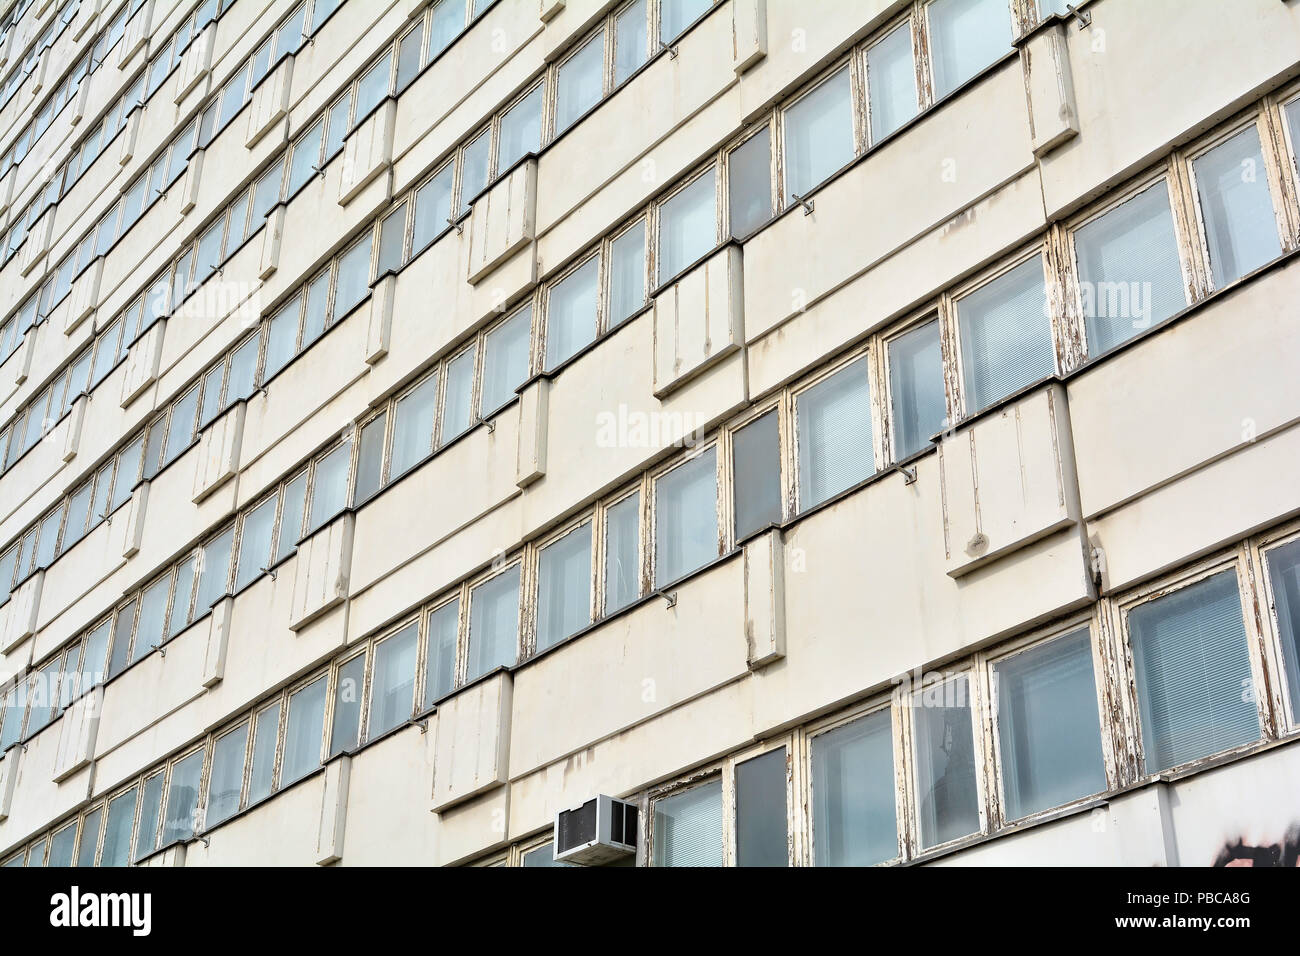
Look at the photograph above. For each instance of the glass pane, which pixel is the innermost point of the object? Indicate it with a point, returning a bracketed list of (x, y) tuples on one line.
[(227, 776), (855, 822), (474, 169), (62, 845), (629, 41), (302, 735), (756, 471), (494, 624), (543, 855), (337, 125), (564, 587), (578, 83), (456, 403), (95, 652), (432, 208), (626, 274), (891, 82), (370, 457), (505, 360), (392, 236), (183, 799), (676, 15), (1049, 736), (965, 37), (153, 617), (264, 741), (448, 20), (180, 615), (392, 688), (1129, 275), (761, 831), (749, 169), (146, 834), (408, 58), (1006, 335), (347, 705), (295, 493), (686, 521), (282, 338), (687, 227), (818, 135), (413, 426), (243, 370), (128, 471), (214, 573), (688, 827), (571, 312), (330, 485), (834, 434), (315, 316), (1193, 673), (210, 405), (916, 394), (354, 278), (440, 661), (372, 89), (255, 542), (1284, 579), (1236, 207), (180, 430), (947, 794), (306, 157), (117, 830), (89, 838), (521, 131), (123, 624)]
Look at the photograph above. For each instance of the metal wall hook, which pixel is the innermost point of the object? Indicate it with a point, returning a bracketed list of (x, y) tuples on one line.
[(909, 475), (1082, 17), (670, 598), (270, 571), (457, 225), (806, 203), (672, 50)]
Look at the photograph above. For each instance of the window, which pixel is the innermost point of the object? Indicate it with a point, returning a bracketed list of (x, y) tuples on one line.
[(408, 58), (1129, 273), (1284, 587), (622, 553), (521, 130), (302, 734), (761, 814), (61, 846), (295, 494), (153, 617), (117, 831), (227, 775), (447, 21), (1236, 208), (432, 208), (330, 485), (146, 832), (818, 134), (474, 168), (571, 312), (1193, 673), (629, 40), (456, 403), (946, 785), (505, 360), (1006, 336), (627, 270), (676, 15), (265, 736), (255, 542), (564, 586), (891, 82), (1049, 733), (306, 156), (413, 426), (749, 178), (89, 838), (686, 521), (543, 855), (215, 571), (688, 827), (687, 226), (493, 623), (392, 690), (440, 660), (392, 236), (834, 437), (916, 394), (354, 278), (183, 799), (282, 337), (579, 83), (965, 37), (348, 683), (756, 474), (370, 457), (372, 88), (855, 822)]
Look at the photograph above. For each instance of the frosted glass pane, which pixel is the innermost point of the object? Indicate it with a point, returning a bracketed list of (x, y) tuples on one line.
[(686, 522), (1049, 735), (264, 743), (182, 799), (626, 274), (330, 485), (392, 687), (946, 788), (413, 426), (1129, 275), (854, 816), (505, 360), (571, 313), (521, 131), (578, 83), (1193, 673), (494, 623), (630, 41), (834, 434), (818, 135), (891, 82), (1236, 207), (1006, 335), (564, 587), (117, 830), (227, 776), (346, 719), (965, 37), (687, 227), (440, 660), (688, 827), (255, 542), (916, 392), (622, 567), (303, 731), (456, 403)]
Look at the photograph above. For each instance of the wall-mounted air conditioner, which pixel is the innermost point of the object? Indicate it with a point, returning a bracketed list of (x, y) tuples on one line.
[(600, 831)]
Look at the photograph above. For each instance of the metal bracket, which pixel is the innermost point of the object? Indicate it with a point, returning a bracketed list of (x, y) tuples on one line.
[(490, 423), (320, 170), (205, 840), (457, 225), (270, 571), (806, 203), (909, 475), (672, 50), (670, 597), (1082, 17), (423, 725)]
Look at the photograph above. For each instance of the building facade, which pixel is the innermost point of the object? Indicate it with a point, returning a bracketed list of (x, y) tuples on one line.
[(855, 432)]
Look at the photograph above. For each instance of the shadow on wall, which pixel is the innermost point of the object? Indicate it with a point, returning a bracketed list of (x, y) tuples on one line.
[(1285, 853)]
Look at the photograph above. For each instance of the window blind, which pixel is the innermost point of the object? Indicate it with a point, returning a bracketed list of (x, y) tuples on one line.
[(688, 827), (834, 433), (1006, 336)]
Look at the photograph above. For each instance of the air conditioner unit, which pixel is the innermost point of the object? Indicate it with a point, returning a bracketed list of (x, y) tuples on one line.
[(600, 831)]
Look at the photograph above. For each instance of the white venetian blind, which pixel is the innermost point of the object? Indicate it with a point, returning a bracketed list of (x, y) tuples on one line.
[(1193, 672), (1006, 336), (834, 425), (688, 827)]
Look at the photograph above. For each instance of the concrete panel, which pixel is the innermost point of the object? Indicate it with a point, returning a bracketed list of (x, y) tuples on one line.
[(270, 101), (698, 320), (18, 615), (534, 426), (142, 363), (1049, 88), (196, 62), (218, 455), (472, 751), (84, 297), (322, 571), (333, 811), (503, 220), (765, 598), (368, 153)]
